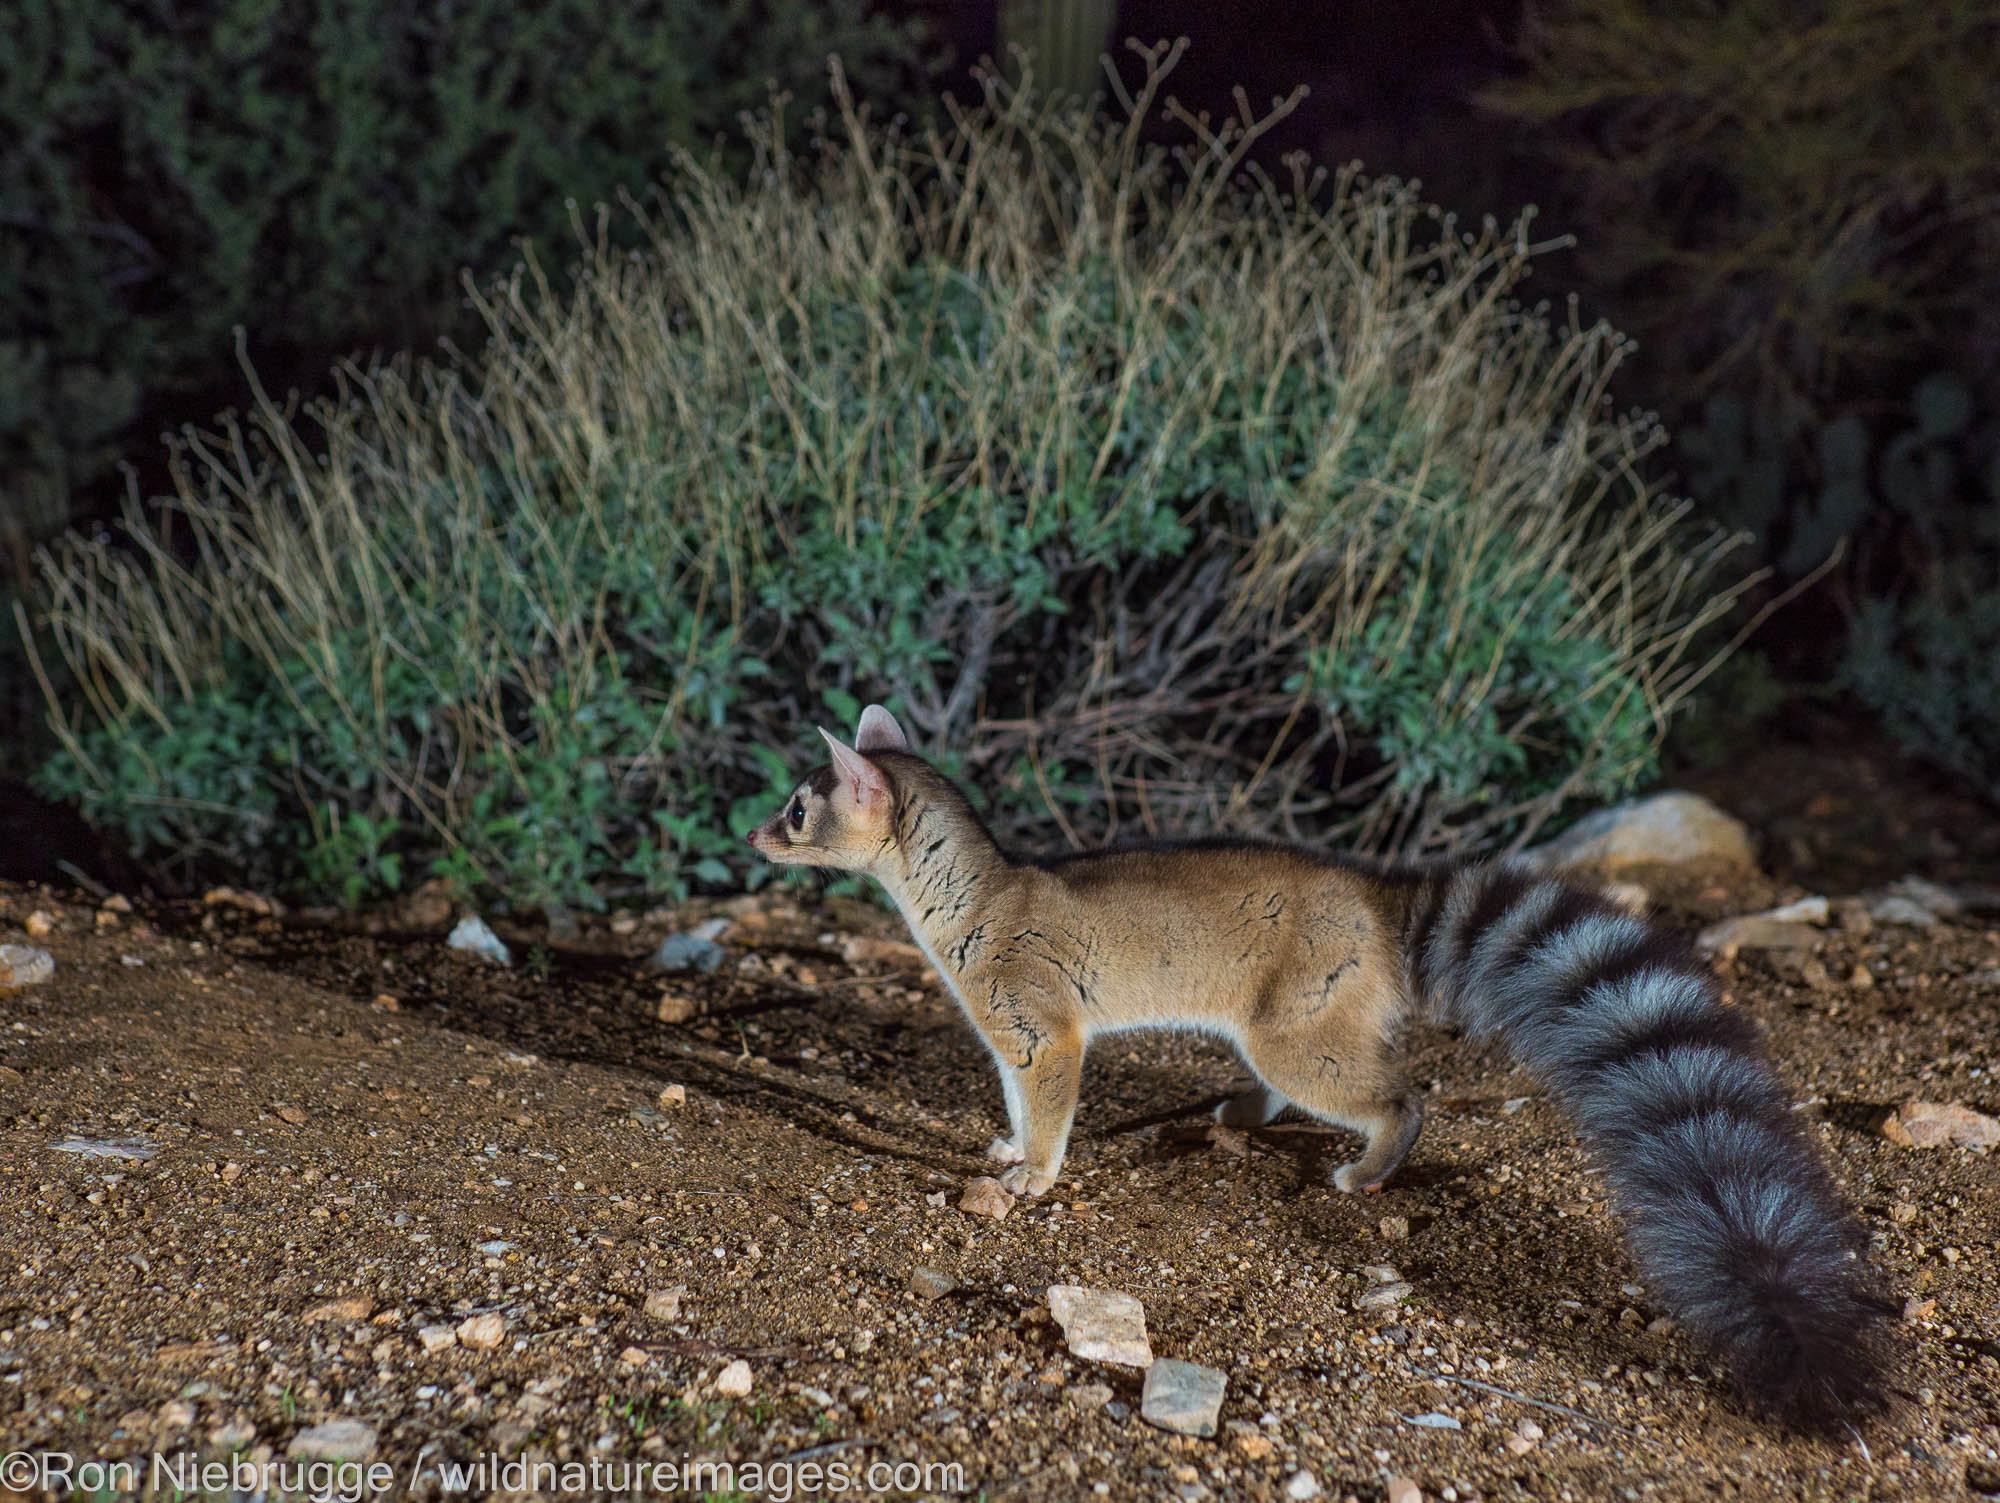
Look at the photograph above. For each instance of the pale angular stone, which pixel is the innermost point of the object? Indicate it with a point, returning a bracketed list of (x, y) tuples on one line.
[(1402, 1490), (735, 1380), (1756, 932), (931, 1283), (473, 936), (482, 1333), (663, 1304), (986, 1196), (1102, 1325), (1941, 1124), (336, 1440), (435, 1339), (1383, 1296), (354, 1307), (24, 965), (1182, 1396), (1668, 829)]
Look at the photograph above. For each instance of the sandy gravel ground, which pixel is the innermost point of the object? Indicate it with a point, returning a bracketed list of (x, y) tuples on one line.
[(467, 1212)]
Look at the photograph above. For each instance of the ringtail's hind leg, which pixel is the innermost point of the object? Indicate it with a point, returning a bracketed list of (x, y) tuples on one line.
[(1345, 1076), (1252, 1108)]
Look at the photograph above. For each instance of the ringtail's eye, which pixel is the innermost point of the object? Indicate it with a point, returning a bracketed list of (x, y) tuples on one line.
[(797, 814)]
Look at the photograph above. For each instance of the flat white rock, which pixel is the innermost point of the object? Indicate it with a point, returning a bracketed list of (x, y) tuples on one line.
[(1102, 1325)]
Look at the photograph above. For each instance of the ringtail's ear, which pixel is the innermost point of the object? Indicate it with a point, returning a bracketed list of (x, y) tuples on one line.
[(860, 777), (878, 731)]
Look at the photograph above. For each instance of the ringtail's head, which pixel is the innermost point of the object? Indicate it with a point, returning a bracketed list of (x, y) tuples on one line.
[(842, 815)]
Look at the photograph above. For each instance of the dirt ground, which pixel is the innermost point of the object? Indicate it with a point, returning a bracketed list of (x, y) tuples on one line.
[(360, 1143)]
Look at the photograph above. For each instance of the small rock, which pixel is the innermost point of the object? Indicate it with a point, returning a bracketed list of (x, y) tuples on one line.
[(106, 919), (1514, 1104), (1852, 914), (1519, 1445), (1668, 829), (1433, 1421), (435, 1339), (1102, 1325), (246, 902), (1302, 1485), (24, 965), (336, 1440), (862, 949), (482, 1333), (109, 1148), (986, 1196), (1902, 1212), (474, 937), (1184, 1397), (1402, 1490), (1089, 1395), (690, 951), (294, 1115), (663, 1304), (1944, 902), (1383, 1296), (1249, 1440), (176, 1414), (675, 1008), (1894, 909), (385, 1002), (1380, 1273), (1935, 1124), (1395, 1228), (40, 924), (1755, 932), (634, 1356), (1528, 1430), (931, 1283), (1630, 896), (817, 1396), (1915, 1309), (354, 1307), (673, 1096), (734, 1381), (1861, 978), (230, 1172), (116, 903)]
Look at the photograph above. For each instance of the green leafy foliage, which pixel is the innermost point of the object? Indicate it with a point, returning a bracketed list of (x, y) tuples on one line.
[(319, 172), (1152, 495)]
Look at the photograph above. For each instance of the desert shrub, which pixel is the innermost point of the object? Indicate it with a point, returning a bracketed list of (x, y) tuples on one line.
[(1153, 493), (321, 172)]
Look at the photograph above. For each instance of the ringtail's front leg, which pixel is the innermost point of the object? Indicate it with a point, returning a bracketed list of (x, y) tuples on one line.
[(1045, 1088)]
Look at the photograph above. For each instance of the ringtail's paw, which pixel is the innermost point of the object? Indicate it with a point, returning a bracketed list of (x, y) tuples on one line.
[(1347, 1180), (1004, 1151), (1021, 1180)]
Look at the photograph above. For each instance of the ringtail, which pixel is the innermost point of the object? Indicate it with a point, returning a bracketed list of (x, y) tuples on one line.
[(1311, 966)]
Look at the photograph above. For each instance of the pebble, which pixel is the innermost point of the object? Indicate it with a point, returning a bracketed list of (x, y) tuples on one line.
[(386, 1002), (1102, 1325), (475, 937), (1755, 933), (1381, 1273), (986, 1196), (1395, 1228), (24, 965), (1249, 1440), (694, 950), (674, 1008), (40, 924), (354, 1307), (634, 1356), (1383, 1296), (1935, 1124), (931, 1283), (336, 1440), (663, 1304), (435, 1339), (1402, 1490), (291, 1114), (673, 1096), (1090, 1395), (1184, 1397), (861, 949), (245, 902), (1893, 909), (482, 1333), (734, 1381), (1433, 1421), (1302, 1485)]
